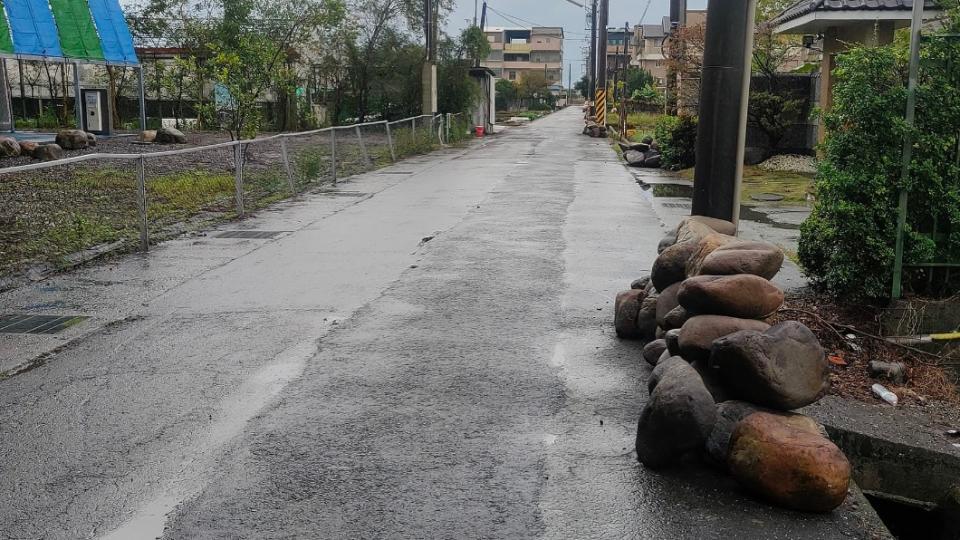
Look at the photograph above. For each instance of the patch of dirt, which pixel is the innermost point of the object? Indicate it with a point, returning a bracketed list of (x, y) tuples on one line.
[(834, 322)]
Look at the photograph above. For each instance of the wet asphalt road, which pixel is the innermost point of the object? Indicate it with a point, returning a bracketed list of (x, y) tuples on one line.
[(353, 379)]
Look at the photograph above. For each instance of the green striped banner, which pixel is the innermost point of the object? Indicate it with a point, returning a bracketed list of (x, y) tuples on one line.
[(6, 42), (78, 35)]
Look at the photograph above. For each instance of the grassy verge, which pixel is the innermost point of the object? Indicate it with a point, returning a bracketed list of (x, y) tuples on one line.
[(794, 187), (48, 214)]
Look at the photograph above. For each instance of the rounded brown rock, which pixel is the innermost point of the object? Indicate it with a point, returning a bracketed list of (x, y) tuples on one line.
[(743, 295), (697, 335), (785, 460)]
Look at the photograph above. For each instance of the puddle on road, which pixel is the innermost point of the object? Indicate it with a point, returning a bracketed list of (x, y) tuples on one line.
[(150, 519), (684, 190)]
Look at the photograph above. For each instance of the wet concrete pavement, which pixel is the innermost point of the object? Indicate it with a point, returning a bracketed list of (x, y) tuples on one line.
[(350, 378)]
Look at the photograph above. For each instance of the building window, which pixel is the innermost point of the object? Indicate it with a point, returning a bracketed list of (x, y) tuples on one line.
[(513, 75)]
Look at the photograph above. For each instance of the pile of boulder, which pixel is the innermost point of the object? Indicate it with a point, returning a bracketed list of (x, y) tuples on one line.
[(641, 154), (591, 127), (164, 135), (725, 382), (67, 139)]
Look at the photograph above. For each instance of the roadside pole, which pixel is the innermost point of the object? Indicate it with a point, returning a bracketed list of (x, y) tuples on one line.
[(916, 25), (600, 96), (724, 93), (592, 69)]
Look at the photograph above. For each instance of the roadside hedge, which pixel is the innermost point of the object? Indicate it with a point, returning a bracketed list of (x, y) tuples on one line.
[(847, 244), (677, 138)]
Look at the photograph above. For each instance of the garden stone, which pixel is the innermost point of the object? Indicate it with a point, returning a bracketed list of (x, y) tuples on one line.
[(743, 295), (756, 258), (666, 302), (785, 460), (697, 335), (692, 230), (653, 160), (653, 350), (634, 158), (626, 308), (148, 136), (91, 139), (678, 416), (707, 245), (672, 339), (648, 140), (72, 139), (676, 318), (640, 283), (783, 367), (27, 148), (169, 135), (9, 147), (671, 265), (711, 379), (729, 415), (667, 241), (661, 369), (48, 152), (721, 226), (647, 318), (663, 357)]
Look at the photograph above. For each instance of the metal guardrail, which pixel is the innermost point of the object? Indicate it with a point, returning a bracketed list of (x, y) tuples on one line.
[(437, 129)]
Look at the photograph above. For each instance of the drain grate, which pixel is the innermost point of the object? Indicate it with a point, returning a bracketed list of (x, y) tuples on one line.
[(395, 172), (37, 324), (676, 205), (262, 235)]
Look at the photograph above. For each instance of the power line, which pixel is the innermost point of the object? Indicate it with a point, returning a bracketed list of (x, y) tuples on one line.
[(644, 16)]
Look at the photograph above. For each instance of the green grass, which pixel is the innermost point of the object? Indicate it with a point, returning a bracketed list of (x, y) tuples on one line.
[(793, 186)]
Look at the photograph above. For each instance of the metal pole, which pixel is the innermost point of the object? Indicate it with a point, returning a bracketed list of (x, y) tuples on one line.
[(601, 93), (393, 152), (447, 127), (593, 54), (238, 176), (77, 108), (143, 99), (363, 147), (286, 165), (916, 25), (724, 93), (333, 154), (142, 204)]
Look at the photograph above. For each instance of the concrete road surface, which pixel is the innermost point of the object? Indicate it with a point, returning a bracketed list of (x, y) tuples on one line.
[(427, 352)]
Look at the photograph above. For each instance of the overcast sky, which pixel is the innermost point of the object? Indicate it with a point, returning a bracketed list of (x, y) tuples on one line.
[(561, 13)]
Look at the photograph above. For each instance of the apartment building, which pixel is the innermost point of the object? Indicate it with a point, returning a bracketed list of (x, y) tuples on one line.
[(649, 43), (514, 52), (620, 49)]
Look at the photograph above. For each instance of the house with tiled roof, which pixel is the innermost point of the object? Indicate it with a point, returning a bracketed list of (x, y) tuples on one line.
[(836, 24)]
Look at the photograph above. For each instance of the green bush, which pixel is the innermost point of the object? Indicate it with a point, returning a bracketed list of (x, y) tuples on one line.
[(677, 137), (847, 244)]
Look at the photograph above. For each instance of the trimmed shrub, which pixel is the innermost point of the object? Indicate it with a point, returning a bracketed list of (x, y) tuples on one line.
[(677, 137)]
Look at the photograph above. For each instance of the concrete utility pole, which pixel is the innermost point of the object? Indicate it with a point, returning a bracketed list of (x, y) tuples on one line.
[(429, 74), (592, 68), (601, 92), (724, 93)]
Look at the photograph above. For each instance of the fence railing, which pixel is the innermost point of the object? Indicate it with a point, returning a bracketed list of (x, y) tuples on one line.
[(56, 208)]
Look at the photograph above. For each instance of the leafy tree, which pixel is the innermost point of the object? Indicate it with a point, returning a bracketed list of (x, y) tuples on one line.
[(474, 44), (507, 94), (583, 87), (636, 79)]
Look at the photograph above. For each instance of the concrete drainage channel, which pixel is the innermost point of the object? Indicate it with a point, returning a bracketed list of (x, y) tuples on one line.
[(914, 489)]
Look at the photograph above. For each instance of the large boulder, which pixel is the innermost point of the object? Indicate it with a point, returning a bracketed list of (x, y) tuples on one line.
[(729, 415), (782, 367), (91, 139), (626, 307), (9, 147), (634, 158), (672, 339), (647, 317), (169, 135), (661, 369), (785, 460), (148, 136), (676, 318), (640, 283), (27, 148), (743, 295), (707, 245), (757, 258), (654, 350), (711, 379), (72, 139), (671, 265), (691, 229), (677, 418), (721, 226), (668, 240), (666, 302), (47, 152), (697, 335), (654, 160)]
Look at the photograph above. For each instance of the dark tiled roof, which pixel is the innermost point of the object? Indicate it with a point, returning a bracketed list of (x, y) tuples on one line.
[(805, 7)]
